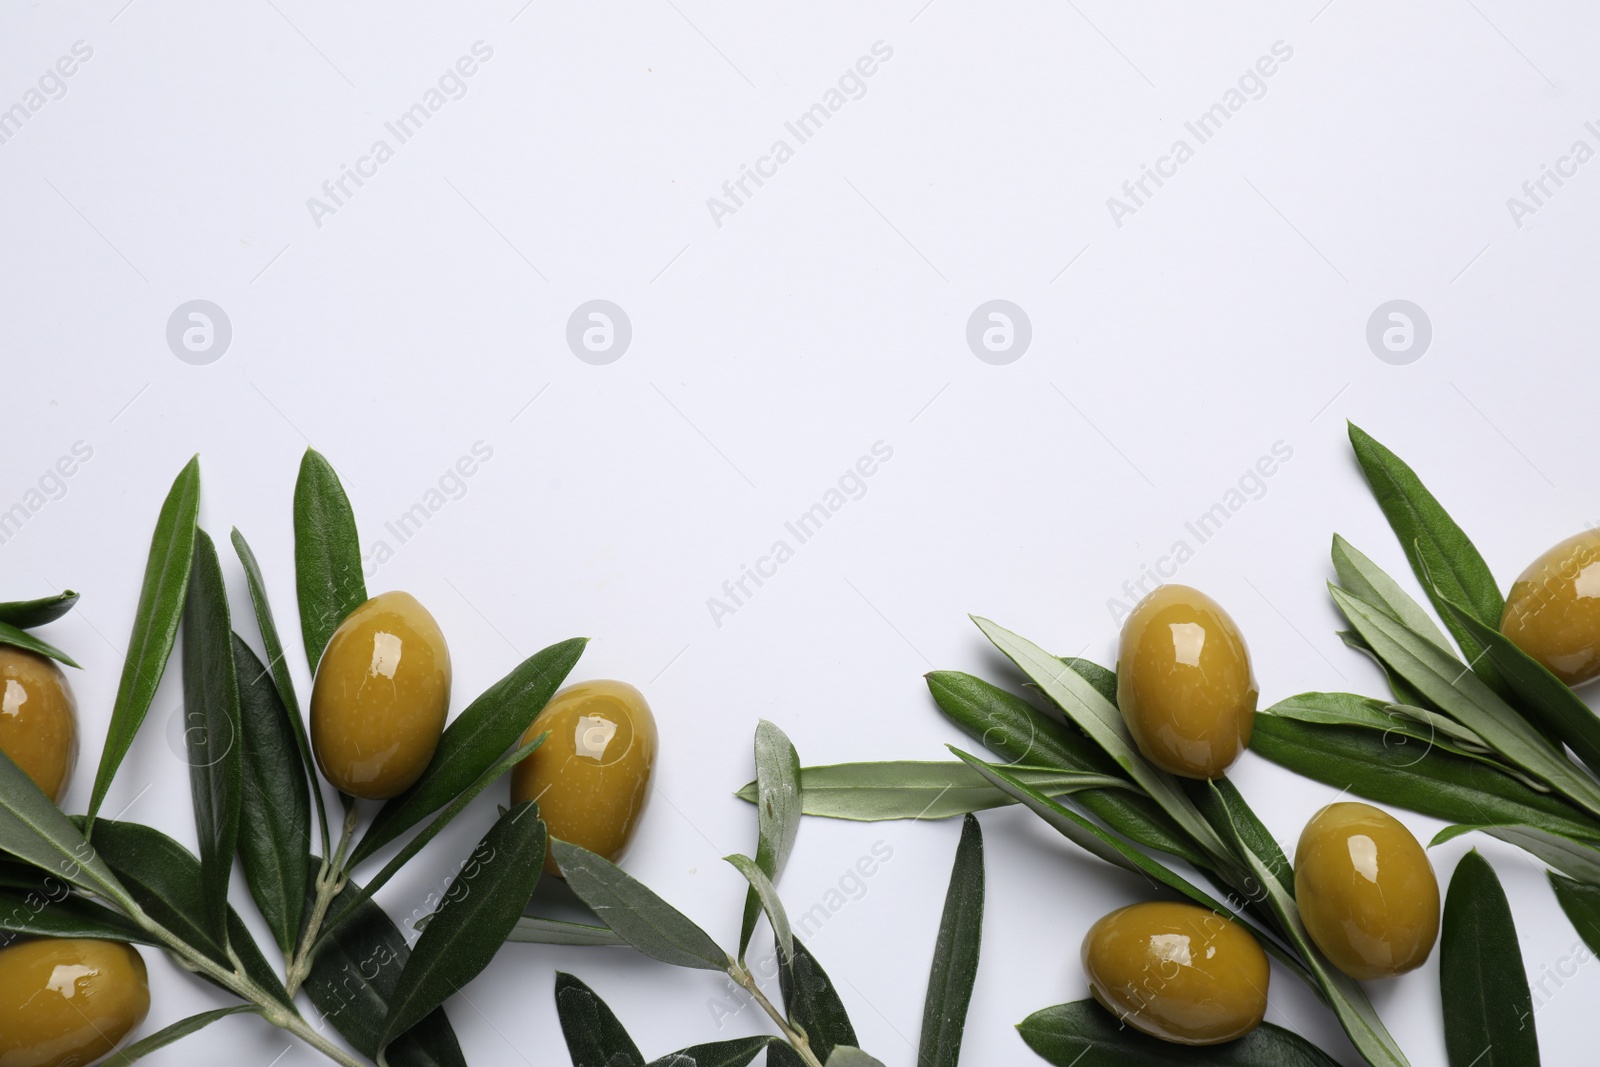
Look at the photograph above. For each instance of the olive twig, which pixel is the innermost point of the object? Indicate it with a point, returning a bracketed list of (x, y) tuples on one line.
[(331, 879), (793, 1033)]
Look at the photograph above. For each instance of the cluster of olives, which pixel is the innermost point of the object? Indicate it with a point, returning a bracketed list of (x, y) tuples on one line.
[(1365, 889)]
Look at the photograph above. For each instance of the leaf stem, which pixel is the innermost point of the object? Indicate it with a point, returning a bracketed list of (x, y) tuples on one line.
[(331, 878), (792, 1033)]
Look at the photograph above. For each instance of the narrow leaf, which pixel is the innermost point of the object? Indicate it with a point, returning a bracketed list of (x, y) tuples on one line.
[(1581, 902), (536, 931), (50, 911), (845, 1056), (595, 1037), (1371, 583), (767, 896), (33, 830), (777, 814), (1488, 1012), (1578, 858), (481, 907), (736, 1053), (19, 638), (26, 614), (1404, 692), (813, 1002), (1083, 1034), (472, 743), (177, 1031), (955, 955), (155, 625), (634, 912), (327, 554)]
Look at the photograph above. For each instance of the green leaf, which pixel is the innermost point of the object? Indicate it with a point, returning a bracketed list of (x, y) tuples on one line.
[(26, 614), (1431, 781), (1581, 902), (480, 908), (913, 789), (155, 625), (352, 979), (472, 743), (19, 638), (955, 955), (1443, 558), (845, 1056), (1083, 1034), (595, 1038), (777, 815), (536, 931), (279, 664), (1464, 697), (634, 912), (50, 911), (813, 1003), (1488, 1012), (327, 554), (1219, 800), (736, 1053), (1578, 858), (1022, 735), (33, 830), (274, 809), (212, 728), (767, 894), (1367, 580), (1104, 679), (1404, 692), (177, 1031), (1101, 720)]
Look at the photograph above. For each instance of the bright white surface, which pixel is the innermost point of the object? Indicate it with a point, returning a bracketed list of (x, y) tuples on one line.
[(769, 353)]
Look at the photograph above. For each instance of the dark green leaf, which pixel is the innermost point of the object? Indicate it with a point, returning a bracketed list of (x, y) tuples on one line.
[(955, 955), (1443, 558), (736, 1053), (33, 830), (1488, 1013), (1019, 733), (536, 931), (278, 662), (177, 1031), (352, 979), (51, 911), (155, 625), (767, 896), (1581, 902), (1083, 1034), (781, 1054), (813, 1002), (481, 907), (595, 1038), (274, 812), (638, 916), (327, 554), (846, 1056), (472, 743), (1104, 679), (777, 815), (26, 614), (1219, 801), (11, 635), (1404, 692)]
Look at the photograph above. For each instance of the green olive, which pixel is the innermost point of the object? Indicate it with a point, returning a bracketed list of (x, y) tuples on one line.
[(380, 697), (65, 1002), (38, 719), (1553, 612), (1366, 891), (1184, 683), (1178, 972), (591, 777)]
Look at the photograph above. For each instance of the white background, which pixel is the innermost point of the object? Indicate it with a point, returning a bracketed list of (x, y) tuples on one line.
[(769, 353)]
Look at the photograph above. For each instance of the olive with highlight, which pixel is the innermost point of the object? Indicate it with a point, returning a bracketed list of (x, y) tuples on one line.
[(66, 1002), (38, 719), (1553, 610)]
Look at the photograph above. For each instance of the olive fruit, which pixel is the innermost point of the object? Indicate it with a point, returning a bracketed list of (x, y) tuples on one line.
[(379, 701), (38, 719), (591, 777), (1366, 891), (1553, 612), (1184, 683), (65, 1002), (1178, 972)]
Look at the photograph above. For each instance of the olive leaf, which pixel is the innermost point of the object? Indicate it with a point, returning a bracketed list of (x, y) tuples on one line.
[(177, 1031), (595, 1037), (634, 912), (53, 912), (20, 638), (846, 1056), (26, 614), (274, 809), (1399, 725), (767, 896), (1578, 858), (278, 662), (1443, 558), (922, 789), (777, 817), (537, 931), (736, 1053), (212, 728), (1581, 903), (352, 978), (1083, 1034), (1404, 692), (955, 955), (1371, 583), (472, 743), (33, 830), (155, 625), (813, 1003), (1488, 1012), (1021, 734), (327, 554)]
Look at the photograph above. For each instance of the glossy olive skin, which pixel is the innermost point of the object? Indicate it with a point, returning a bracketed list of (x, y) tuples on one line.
[(591, 777), (1184, 683), (38, 719), (381, 693), (65, 1002), (1553, 610), (1366, 891), (1177, 972)]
